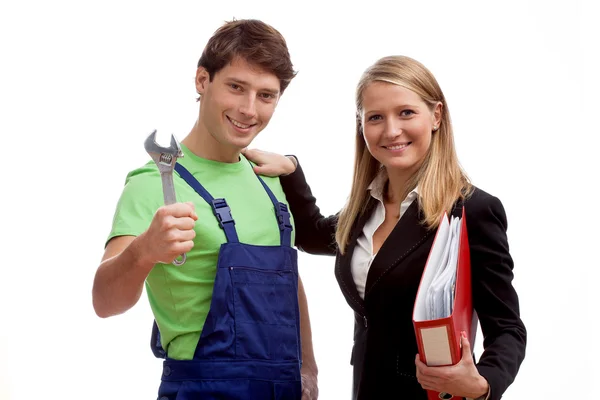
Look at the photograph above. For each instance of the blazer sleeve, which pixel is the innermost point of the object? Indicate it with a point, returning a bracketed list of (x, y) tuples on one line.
[(315, 233), (494, 297)]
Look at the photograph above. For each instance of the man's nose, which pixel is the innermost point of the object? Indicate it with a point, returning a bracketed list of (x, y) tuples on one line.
[(248, 106)]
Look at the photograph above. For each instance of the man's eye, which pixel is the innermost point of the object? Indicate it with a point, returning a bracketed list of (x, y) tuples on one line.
[(235, 86), (267, 96)]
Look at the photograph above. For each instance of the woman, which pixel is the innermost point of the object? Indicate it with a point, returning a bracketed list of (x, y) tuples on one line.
[(406, 175)]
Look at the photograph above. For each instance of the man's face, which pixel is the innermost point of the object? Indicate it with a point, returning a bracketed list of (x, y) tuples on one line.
[(237, 104)]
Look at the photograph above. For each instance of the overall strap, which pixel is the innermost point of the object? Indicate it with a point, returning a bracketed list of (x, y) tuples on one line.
[(282, 214), (219, 206)]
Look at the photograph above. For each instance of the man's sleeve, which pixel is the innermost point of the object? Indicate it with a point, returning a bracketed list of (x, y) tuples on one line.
[(141, 197)]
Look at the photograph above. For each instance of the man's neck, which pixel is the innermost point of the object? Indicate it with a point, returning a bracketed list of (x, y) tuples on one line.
[(200, 142)]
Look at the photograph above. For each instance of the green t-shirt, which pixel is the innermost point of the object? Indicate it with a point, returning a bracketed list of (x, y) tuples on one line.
[(180, 296)]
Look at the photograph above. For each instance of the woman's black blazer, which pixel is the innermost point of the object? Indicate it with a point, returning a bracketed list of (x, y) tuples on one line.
[(383, 355)]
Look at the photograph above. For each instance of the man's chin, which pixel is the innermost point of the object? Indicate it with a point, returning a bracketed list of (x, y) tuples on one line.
[(242, 143)]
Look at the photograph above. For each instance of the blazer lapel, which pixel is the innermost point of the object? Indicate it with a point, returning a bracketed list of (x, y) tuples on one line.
[(406, 236), (343, 271)]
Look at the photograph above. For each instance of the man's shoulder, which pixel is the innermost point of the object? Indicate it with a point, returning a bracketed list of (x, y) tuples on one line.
[(274, 184), (143, 180), (146, 171), (142, 185), (272, 181)]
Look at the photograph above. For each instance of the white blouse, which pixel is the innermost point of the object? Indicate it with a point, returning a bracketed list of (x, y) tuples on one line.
[(363, 253)]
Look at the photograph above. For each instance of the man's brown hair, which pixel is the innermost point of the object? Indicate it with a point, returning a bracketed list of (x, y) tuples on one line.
[(255, 42)]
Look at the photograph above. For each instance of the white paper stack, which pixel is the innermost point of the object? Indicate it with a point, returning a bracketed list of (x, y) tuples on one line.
[(439, 298)]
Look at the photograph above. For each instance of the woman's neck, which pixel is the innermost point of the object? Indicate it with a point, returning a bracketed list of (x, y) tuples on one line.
[(395, 188)]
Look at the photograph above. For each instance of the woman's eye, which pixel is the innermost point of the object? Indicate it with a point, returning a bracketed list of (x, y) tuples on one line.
[(374, 118), (407, 113)]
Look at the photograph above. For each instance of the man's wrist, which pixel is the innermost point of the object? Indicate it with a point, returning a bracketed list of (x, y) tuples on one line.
[(310, 366), (138, 256)]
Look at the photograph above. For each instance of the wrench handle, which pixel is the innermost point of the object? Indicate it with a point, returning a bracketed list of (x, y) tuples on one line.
[(168, 188), (170, 198)]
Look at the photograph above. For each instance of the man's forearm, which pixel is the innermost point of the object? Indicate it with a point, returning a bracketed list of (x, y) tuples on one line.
[(308, 356), (119, 280)]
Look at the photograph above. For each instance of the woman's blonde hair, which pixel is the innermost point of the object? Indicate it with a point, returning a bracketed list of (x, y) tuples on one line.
[(440, 178)]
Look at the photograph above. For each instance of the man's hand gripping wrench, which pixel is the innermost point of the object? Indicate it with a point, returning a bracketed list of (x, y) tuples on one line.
[(165, 159)]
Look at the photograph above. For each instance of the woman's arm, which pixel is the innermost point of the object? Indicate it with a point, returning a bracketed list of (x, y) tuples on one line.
[(497, 305), (494, 297), (315, 233)]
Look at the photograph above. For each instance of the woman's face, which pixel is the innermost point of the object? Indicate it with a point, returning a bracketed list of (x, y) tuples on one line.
[(397, 126)]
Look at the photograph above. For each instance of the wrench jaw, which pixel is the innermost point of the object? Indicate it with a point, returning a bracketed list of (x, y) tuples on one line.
[(152, 147), (175, 145), (164, 157)]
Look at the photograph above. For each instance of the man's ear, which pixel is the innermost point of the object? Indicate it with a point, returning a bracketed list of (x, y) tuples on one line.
[(202, 79)]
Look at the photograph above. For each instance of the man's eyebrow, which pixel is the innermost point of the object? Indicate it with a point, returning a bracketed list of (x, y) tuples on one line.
[(242, 82), (274, 92)]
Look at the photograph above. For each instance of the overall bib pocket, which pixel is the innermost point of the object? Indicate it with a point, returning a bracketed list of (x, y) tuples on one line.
[(265, 318)]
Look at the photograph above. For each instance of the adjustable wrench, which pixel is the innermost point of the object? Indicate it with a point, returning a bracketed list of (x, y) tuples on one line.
[(165, 159)]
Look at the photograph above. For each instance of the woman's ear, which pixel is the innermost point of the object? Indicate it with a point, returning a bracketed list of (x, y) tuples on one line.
[(437, 115)]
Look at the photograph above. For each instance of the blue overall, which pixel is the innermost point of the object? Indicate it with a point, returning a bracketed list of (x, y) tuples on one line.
[(250, 344)]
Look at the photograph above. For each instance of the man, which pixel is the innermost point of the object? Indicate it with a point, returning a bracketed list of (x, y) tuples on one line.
[(229, 319)]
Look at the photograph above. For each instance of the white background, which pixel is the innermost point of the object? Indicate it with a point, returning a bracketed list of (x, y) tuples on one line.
[(82, 84)]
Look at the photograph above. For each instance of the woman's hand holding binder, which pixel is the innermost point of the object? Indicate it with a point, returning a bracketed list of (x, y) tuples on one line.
[(461, 379)]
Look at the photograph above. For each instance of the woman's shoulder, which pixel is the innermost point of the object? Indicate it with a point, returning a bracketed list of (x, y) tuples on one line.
[(480, 202), (478, 196)]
